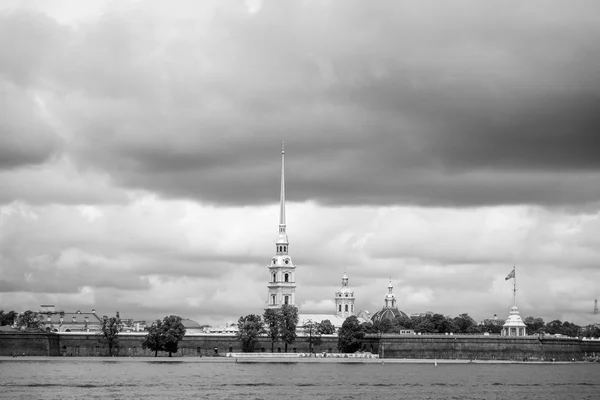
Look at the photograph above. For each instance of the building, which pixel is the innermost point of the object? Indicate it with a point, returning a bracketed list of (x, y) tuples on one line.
[(514, 325), (282, 280), (344, 300), (389, 311), (61, 321)]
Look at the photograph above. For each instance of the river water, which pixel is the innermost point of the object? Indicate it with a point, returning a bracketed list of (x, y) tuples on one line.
[(97, 378)]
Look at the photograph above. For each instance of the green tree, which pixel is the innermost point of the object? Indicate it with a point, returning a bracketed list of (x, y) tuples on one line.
[(465, 324), (350, 335), (534, 325), (7, 318), (326, 327), (172, 331), (311, 329), (592, 331), (288, 323), (109, 333), (249, 328), (272, 319), (153, 338), (30, 320), (401, 322)]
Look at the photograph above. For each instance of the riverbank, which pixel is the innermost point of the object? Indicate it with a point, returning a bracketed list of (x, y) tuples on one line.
[(273, 360)]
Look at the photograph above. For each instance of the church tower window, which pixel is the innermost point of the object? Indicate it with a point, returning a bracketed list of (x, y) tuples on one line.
[(286, 300), (274, 277), (286, 278)]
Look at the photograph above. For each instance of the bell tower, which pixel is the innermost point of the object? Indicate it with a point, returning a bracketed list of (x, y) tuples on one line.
[(282, 271), (344, 300)]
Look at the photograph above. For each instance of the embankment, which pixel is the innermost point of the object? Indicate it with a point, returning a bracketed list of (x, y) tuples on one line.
[(451, 347)]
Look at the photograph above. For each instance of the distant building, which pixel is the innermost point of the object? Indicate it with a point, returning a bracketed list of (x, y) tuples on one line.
[(344, 300), (389, 311), (61, 321), (514, 325)]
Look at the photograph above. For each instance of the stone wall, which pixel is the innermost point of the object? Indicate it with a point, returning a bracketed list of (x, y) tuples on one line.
[(484, 347), (389, 346), (28, 343)]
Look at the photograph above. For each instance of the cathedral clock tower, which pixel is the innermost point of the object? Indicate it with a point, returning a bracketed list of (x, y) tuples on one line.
[(282, 271)]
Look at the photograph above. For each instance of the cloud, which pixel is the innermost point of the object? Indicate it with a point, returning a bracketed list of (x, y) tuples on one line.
[(380, 105), (433, 144)]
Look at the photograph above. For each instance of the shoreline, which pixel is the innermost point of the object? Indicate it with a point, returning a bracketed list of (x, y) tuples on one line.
[(278, 360)]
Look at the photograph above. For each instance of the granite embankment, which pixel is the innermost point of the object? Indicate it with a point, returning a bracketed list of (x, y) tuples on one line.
[(472, 347)]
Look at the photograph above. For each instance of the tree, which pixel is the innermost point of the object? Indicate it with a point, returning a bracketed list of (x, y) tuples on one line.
[(311, 329), (7, 318), (272, 318), (465, 324), (30, 320), (109, 333), (288, 322), (326, 327), (592, 331), (153, 338), (249, 328), (534, 325), (350, 335), (172, 331)]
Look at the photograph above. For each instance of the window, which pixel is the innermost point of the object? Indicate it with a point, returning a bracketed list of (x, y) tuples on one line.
[(273, 297), (346, 294), (286, 277), (231, 349), (274, 277), (279, 349), (286, 300), (340, 308), (346, 309), (352, 307)]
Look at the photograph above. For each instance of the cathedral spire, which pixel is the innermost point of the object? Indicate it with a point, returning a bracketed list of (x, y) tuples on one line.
[(282, 200), (282, 284)]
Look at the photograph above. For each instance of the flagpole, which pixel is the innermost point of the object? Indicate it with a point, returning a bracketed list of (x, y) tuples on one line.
[(514, 285)]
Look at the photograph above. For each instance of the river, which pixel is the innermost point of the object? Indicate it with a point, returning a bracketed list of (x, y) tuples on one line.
[(143, 378)]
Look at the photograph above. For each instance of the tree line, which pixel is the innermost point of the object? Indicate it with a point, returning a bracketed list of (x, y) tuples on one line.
[(279, 324)]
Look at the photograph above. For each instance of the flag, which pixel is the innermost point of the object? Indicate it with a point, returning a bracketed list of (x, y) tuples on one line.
[(511, 275)]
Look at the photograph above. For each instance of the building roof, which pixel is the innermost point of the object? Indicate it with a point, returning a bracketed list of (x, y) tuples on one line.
[(389, 313), (190, 324), (514, 319), (68, 318)]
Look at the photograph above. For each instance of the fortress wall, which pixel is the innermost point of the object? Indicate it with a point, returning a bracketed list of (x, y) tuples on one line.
[(481, 347), (28, 343), (391, 346)]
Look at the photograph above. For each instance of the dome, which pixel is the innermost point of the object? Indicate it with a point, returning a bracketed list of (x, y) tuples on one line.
[(389, 313), (190, 324), (514, 319)]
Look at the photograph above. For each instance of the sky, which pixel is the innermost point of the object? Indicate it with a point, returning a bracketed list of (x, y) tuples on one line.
[(434, 144)]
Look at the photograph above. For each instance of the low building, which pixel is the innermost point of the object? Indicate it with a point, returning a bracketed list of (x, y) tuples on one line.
[(514, 325)]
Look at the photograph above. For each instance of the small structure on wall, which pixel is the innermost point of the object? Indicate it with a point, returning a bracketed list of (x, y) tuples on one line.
[(514, 325)]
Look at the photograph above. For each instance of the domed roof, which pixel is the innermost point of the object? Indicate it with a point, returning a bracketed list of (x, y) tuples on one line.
[(514, 319), (190, 324), (389, 313)]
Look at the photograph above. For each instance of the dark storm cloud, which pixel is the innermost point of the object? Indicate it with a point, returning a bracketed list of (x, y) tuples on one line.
[(379, 103)]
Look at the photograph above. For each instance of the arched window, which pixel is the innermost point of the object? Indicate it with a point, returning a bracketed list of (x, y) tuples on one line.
[(340, 308), (273, 298), (274, 277), (346, 308), (352, 308), (286, 299), (286, 277)]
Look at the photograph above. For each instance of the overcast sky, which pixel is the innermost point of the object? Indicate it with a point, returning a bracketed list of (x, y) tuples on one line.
[(434, 143)]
